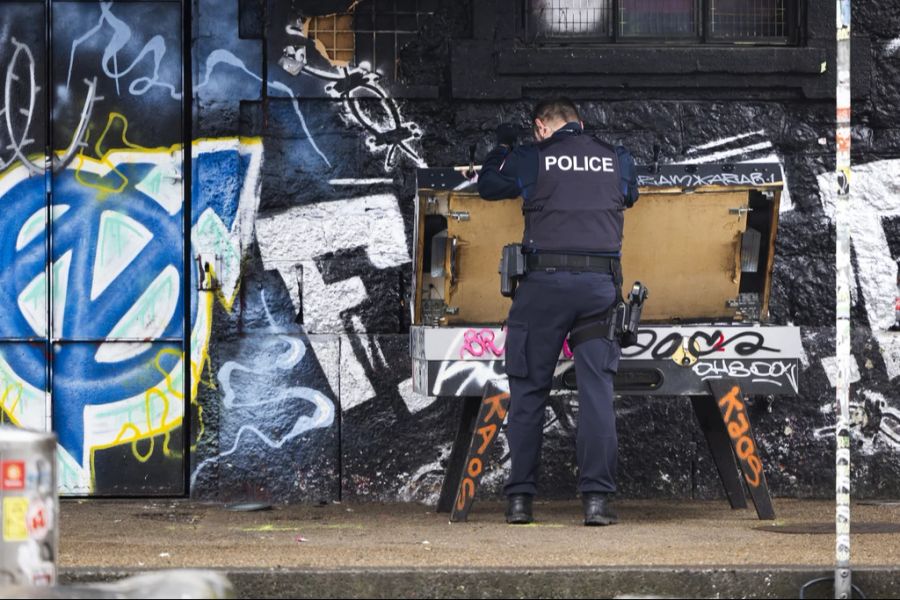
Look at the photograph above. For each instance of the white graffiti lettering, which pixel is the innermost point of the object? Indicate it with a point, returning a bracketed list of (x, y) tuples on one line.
[(756, 178), (758, 371)]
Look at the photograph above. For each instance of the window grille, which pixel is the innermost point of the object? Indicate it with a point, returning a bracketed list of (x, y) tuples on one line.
[(722, 21), (657, 18), (572, 18), (384, 27), (335, 33), (743, 20)]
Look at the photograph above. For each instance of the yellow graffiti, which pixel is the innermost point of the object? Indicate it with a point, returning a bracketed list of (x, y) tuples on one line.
[(103, 157), (149, 430), (133, 434), (164, 428), (7, 411), (226, 303)]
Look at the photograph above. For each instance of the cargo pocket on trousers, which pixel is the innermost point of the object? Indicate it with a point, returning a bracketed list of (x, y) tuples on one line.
[(516, 357)]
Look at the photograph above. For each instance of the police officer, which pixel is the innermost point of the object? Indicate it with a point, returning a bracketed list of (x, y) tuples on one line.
[(575, 189)]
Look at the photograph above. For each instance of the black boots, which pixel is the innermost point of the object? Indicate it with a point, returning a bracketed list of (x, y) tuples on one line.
[(597, 510), (518, 509)]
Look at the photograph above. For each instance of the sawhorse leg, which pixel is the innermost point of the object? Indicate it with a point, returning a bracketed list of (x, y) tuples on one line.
[(707, 411), (464, 478), (457, 462), (733, 413)]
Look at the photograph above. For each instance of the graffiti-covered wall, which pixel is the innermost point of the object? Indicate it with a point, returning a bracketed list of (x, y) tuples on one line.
[(93, 244), (205, 289)]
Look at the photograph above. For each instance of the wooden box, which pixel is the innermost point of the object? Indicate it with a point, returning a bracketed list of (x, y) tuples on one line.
[(701, 238)]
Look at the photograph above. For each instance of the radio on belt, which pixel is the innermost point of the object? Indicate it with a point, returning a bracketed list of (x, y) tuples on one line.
[(512, 268)]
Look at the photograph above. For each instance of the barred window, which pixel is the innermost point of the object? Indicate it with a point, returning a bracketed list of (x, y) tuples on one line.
[(714, 21), (373, 31), (742, 20), (657, 18)]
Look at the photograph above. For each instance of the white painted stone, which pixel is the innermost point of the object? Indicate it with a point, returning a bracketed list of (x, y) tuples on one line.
[(327, 351), (355, 388), (892, 48), (874, 194), (294, 238)]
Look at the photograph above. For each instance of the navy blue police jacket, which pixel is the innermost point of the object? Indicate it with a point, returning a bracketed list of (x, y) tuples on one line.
[(575, 189)]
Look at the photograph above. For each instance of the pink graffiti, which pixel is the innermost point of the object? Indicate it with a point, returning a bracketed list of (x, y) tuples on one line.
[(476, 343)]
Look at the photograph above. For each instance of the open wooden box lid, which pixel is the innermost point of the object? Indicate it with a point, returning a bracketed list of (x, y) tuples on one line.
[(701, 238)]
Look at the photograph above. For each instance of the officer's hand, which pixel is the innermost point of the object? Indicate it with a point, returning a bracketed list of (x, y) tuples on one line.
[(507, 135)]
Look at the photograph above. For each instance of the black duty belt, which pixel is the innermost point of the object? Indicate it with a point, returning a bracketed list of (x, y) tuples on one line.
[(571, 262)]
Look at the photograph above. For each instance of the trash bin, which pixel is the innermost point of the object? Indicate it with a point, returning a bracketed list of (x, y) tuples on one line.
[(29, 502)]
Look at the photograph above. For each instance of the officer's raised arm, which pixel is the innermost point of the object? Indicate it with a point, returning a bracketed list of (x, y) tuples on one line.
[(501, 176)]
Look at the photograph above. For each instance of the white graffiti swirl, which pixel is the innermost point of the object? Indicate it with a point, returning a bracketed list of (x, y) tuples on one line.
[(322, 417), (121, 36)]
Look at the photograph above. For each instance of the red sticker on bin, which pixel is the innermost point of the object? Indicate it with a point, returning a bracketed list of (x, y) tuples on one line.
[(13, 475)]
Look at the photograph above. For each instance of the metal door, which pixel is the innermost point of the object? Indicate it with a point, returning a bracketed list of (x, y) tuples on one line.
[(107, 305)]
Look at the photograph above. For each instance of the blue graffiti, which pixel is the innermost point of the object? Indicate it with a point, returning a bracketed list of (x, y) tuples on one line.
[(81, 314), (225, 57), (86, 223)]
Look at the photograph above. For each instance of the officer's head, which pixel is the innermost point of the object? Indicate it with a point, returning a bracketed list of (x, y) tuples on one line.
[(550, 115)]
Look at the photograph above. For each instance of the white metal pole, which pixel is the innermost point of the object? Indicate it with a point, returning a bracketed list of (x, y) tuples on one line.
[(842, 578)]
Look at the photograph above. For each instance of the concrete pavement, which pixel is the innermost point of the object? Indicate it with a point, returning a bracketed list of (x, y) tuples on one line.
[(663, 547)]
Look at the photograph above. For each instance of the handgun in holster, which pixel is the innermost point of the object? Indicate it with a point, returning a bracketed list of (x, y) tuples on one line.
[(620, 322), (632, 317), (512, 268)]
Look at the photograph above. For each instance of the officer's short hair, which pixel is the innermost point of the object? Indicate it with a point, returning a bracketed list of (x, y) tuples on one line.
[(556, 109)]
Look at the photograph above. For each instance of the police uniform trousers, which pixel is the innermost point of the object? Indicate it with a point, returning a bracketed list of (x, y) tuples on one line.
[(545, 307)]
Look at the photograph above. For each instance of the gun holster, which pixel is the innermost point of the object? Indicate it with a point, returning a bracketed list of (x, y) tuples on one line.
[(636, 299), (620, 322), (512, 268)]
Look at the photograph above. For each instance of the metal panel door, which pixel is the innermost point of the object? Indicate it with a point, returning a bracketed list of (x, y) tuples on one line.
[(117, 247), (92, 298), (23, 213)]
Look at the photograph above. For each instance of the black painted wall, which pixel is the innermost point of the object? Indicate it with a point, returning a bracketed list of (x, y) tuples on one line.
[(456, 79), (342, 290), (303, 188)]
